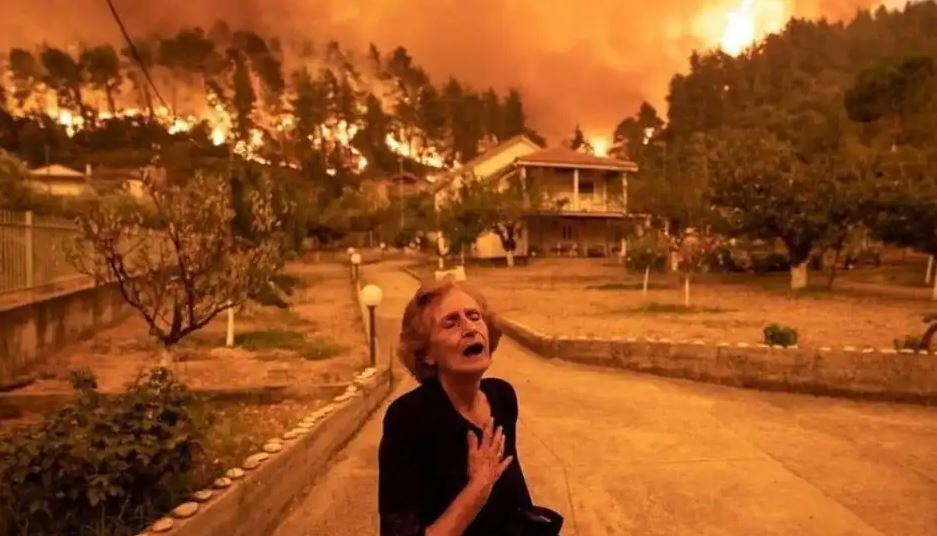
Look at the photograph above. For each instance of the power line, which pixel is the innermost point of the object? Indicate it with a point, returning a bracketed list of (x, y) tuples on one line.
[(136, 53)]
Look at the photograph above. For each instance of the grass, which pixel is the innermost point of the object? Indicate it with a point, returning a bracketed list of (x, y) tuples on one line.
[(673, 308), (278, 339)]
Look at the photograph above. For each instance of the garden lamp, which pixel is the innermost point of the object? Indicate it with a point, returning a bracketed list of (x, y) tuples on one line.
[(371, 296), (355, 262)]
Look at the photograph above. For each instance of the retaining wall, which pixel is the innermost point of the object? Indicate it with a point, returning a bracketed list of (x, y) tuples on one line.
[(884, 374), (34, 330)]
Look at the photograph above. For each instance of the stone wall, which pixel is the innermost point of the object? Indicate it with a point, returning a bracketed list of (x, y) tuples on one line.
[(32, 331), (867, 373)]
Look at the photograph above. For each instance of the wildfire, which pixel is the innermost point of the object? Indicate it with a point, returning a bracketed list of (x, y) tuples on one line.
[(428, 156), (599, 145), (742, 25)]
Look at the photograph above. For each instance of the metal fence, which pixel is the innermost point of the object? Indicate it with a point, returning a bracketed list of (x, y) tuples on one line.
[(33, 252)]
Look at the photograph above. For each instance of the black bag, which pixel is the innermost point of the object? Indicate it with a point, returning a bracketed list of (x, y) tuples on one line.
[(537, 521)]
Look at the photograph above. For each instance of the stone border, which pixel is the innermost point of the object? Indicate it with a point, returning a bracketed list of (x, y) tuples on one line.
[(863, 373), (250, 499), (873, 374)]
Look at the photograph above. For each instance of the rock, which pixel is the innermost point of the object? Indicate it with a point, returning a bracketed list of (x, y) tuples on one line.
[(202, 495), (273, 448), (351, 389), (185, 510), (298, 431), (254, 460), (222, 483), (275, 440), (234, 473), (162, 524), (291, 434)]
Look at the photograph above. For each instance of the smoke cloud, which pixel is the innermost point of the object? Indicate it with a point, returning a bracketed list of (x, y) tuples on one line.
[(590, 63)]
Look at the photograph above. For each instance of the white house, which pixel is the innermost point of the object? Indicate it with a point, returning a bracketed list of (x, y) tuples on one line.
[(582, 197), (56, 179)]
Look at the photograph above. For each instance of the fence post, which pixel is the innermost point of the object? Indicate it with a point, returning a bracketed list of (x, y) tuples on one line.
[(30, 280)]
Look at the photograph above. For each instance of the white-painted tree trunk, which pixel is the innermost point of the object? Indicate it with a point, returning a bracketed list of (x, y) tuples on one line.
[(686, 291), (510, 255), (165, 357), (229, 337), (442, 264), (623, 251), (647, 275), (462, 256), (799, 276), (929, 274), (934, 294)]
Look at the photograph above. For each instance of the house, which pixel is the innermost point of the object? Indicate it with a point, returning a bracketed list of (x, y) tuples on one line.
[(403, 184), (576, 199), (60, 180), (56, 179)]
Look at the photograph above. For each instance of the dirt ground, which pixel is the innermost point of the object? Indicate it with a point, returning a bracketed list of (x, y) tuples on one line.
[(323, 309), (564, 297)]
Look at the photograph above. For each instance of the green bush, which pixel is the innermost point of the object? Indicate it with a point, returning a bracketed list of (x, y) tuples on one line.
[(778, 335), (103, 466), (83, 379)]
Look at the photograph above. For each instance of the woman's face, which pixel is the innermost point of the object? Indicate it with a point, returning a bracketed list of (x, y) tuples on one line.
[(459, 336)]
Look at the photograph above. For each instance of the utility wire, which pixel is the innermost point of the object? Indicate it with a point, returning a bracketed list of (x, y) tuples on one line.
[(136, 53)]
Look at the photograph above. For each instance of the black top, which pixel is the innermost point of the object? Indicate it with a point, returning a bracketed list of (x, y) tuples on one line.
[(423, 461)]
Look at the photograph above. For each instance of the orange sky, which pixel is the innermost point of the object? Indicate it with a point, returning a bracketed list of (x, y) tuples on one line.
[(587, 61)]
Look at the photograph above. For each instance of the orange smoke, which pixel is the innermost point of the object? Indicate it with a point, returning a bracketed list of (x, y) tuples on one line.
[(574, 61)]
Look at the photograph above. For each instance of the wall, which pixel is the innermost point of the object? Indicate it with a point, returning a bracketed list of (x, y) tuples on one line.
[(32, 331), (882, 374)]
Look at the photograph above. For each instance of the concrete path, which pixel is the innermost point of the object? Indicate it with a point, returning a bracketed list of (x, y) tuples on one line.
[(626, 453)]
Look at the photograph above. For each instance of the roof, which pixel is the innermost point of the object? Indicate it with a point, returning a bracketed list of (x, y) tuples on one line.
[(116, 174), (406, 175), (444, 179), (57, 171), (568, 158)]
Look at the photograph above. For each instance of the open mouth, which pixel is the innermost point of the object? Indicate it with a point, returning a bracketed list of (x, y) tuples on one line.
[(474, 349)]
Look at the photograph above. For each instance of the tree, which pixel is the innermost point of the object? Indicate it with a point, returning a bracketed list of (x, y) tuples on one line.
[(63, 74), (514, 118), (146, 52), (511, 203), (470, 213), (189, 266), (578, 141), (494, 124), (14, 192), (27, 73), (633, 134), (695, 250), (244, 97), (103, 69), (765, 188)]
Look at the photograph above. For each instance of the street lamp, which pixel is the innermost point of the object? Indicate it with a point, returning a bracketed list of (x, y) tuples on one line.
[(351, 251), (371, 296), (355, 261), (383, 248)]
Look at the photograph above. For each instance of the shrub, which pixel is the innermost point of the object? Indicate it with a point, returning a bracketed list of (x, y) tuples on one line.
[(772, 262), (778, 335), (83, 379), (105, 465), (909, 342)]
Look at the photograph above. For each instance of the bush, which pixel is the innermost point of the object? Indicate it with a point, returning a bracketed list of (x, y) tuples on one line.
[(106, 465), (778, 335), (909, 342), (83, 379), (772, 262)]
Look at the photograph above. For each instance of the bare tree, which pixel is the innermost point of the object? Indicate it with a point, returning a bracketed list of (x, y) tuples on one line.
[(180, 262)]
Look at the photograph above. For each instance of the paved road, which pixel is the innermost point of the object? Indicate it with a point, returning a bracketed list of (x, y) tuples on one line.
[(625, 453)]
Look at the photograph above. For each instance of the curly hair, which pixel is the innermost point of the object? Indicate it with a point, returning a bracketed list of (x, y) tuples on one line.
[(416, 327)]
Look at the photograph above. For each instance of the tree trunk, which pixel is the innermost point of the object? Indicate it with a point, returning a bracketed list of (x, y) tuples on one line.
[(110, 99), (647, 275), (799, 276), (930, 270), (165, 356), (927, 337), (442, 264), (829, 283), (229, 338), (462, 255), (686, 291), (510, 256)]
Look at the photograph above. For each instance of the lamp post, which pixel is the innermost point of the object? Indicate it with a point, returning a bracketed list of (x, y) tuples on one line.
[(371, 296), (383, 248), (355, 261)]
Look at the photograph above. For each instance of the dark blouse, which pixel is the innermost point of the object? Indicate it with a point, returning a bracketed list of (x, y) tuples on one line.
[(423, 461)]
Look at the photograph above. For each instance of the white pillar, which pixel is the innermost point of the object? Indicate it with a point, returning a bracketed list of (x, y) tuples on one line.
[(575, 189), (624, 191)]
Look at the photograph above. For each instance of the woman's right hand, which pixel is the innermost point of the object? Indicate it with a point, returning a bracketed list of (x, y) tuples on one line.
[(485, 463)]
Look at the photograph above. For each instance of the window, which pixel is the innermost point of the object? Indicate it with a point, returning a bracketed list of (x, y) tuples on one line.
[(586, 187)]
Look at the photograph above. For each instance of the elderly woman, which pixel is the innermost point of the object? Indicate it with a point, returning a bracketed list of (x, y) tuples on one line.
[(448, 456)]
